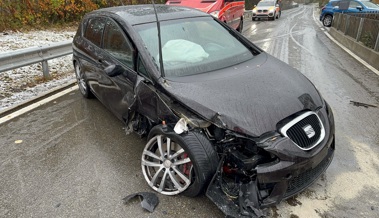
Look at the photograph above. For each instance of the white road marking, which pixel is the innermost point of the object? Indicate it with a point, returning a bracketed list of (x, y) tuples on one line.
[(298, 43), (344, 48), (35, 105)]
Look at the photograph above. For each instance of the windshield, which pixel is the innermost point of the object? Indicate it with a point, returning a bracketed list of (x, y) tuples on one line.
[(370, 5), (192, 46), (270, 3)]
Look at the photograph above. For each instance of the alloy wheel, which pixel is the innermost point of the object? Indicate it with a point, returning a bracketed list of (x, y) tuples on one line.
[(327, 21), (166, 166), (81, 81)]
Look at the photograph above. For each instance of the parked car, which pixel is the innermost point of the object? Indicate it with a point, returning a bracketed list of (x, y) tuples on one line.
[(268, 9), (345, 6), (228, 11), (219, 113)]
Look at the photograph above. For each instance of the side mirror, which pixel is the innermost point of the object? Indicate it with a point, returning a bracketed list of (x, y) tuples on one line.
[(255, 6), (359, 8), (114, 70)]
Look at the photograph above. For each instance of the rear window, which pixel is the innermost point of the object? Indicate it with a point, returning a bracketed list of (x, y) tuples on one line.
[(94, 30), (193, 46)]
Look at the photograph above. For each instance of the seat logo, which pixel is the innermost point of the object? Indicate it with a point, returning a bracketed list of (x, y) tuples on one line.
[(308, 129)]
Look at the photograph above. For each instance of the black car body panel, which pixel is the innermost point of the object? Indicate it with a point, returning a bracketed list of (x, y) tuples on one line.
[(247, 97), (256, 114)]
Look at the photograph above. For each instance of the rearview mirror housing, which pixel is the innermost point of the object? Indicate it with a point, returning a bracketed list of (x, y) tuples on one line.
[(114, 70)]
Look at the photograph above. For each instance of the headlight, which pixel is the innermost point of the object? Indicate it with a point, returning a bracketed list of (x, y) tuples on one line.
[(254, 10), (214, 14)]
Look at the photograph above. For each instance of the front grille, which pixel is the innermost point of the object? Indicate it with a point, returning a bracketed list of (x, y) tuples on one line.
[(306, 130), (305, 179)]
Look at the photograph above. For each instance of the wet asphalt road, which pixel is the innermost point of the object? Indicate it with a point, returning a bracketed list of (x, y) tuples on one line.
[(75, 159)]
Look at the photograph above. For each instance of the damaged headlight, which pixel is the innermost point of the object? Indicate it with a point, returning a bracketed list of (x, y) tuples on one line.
[(181, 126)]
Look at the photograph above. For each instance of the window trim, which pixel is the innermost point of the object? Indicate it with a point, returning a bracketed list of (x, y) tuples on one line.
[(129, 41), (102, 34)]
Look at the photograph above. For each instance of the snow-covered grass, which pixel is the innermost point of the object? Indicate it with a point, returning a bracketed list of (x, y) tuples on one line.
[(22, 84)]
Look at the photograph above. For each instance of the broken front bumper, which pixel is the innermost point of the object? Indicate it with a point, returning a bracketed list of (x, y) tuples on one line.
[(263, 15), (294, 171)]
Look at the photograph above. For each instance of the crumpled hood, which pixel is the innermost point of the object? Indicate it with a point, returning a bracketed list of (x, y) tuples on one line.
[(250, 98)]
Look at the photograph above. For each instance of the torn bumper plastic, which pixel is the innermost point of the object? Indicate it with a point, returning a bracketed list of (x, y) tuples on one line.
[(273, 182)]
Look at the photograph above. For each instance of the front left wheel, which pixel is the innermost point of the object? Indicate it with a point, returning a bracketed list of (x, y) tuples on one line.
[(173, 164), (327, 21)]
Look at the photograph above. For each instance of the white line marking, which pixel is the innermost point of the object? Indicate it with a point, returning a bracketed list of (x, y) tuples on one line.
[(277, 37), (297, 43), (35, 105)]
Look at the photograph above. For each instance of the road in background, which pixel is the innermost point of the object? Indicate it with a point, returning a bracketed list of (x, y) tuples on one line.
[(350, 187), (72, 158)]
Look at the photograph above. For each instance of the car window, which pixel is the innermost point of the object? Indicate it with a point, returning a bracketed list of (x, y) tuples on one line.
[(266, 3), (141, 68), (205, 45), (334, 4), (344, 5), (353, 5), (117, 44), (94, 30)]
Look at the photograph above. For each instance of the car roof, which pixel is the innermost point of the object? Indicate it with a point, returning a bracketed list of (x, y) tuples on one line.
[(138, 14)]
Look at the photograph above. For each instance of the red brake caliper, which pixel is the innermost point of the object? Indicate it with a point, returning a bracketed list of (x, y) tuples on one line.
[(187, 166)]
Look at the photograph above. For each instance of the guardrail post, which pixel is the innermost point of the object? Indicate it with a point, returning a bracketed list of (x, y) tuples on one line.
[(376, 48), (45, 68), (339, 21), (347, 24), (360, 29)]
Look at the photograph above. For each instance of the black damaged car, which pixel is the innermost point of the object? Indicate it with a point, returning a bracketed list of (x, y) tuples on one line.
[(220, 115)]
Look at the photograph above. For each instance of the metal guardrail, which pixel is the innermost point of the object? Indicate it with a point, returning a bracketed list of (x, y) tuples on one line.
[(360, 28), (41, 54)]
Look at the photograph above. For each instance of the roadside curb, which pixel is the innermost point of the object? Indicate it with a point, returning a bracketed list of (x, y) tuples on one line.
[(19, 109), (373, 69)]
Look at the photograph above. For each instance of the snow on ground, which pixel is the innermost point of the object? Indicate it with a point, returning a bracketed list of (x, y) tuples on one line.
[(21, 84)]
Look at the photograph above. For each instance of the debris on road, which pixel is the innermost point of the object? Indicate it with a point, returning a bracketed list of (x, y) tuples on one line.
[(149, 200), (360, 104)]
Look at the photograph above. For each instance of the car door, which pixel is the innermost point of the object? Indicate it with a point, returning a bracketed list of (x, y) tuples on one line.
[(353, 7), (93, 53), (118, 91), (343, 6)]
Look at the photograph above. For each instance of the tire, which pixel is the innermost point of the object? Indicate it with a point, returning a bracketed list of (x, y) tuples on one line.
[(196, 157), (278, 15), (82, 82), (253, 19), (327, 21), (273, 17), (240, 26)]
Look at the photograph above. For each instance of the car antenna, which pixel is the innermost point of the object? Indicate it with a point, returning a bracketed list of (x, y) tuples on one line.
[(159, 41)]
